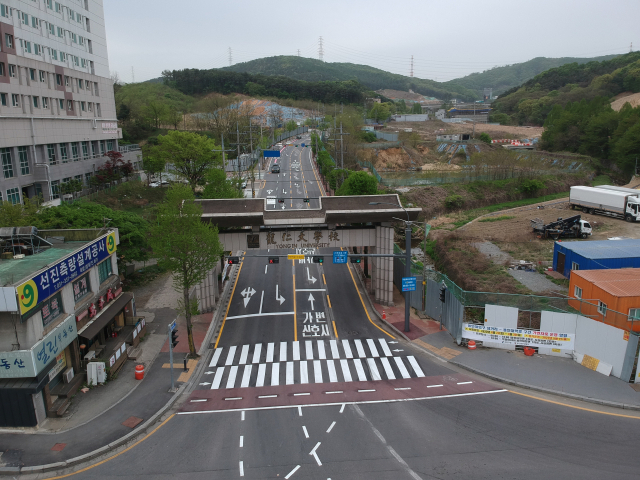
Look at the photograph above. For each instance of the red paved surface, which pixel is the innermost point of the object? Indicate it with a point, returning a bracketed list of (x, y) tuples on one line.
[(132, 422), (200, 326), (333, 393), (58, 447)]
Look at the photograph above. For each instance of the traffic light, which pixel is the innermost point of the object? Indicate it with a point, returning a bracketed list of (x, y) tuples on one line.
[(233, 260), (281, 200), (306, 200), (174, 338), (273, 260), (443, 289), (317, 259), (356, 259)]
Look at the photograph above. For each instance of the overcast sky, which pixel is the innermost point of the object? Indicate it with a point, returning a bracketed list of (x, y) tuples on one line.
[(448, 39)]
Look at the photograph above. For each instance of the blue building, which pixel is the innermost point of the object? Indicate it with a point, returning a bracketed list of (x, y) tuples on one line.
[(595, 255)]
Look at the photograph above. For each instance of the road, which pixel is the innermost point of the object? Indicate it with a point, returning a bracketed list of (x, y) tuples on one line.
[(303, 384)]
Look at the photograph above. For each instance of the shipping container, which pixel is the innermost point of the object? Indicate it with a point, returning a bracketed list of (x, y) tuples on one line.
[(595, 255)]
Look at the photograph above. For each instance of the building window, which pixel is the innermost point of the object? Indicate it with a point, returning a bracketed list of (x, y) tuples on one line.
[(577, 292), (58, 7), (98, 110), (3, 99), (35, 23), (85, 149), (13, 195), (8, 40), (61, 103), (72, 14), (25, 18), (575, 266), (78, 178), (70, 105), (634, 314), (90, 106), (104, 269), (58, 79), (83, 62), (74, 151), (32, 74), (4, 11), (27, 46), (50, 4), (95, 84), (63, 58), (7, 164), (83, 106), (37, 49), (36, 102), (81, 288), (24, 160), (93, 150), (51, 309), (12, 71), (63, 153), (60, 32), (101, 147), (55, 189), (54, 55), (80, 83), (52, 29), (51, 153), (45, 102), (87, 178), (602, 308), (43, 76), (66, 78), (109, 145), (2, 69), (15, 100)]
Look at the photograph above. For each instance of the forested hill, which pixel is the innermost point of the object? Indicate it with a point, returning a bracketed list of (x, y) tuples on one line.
[(531, 102), (504, 78), (309, 69), (195, 82)]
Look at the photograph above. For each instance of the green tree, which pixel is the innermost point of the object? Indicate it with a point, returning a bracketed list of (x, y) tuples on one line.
[(291, 125), (189, 155), (19, 215), (219, 186), (152, 164), (156, 112), (417, 108), (484, 137), (186, 246), (401, 106), (379, 111), (359, 183)]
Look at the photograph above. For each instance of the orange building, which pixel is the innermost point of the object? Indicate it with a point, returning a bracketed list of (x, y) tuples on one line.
[(611, 296)]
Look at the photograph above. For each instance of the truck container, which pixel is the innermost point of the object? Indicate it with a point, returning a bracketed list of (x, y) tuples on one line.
[(630, 191), (606, 202)]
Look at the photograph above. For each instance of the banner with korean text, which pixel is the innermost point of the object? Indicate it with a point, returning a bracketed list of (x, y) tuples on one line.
[(515, 336)]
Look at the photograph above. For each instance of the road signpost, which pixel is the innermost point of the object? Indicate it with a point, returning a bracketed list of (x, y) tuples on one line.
[(408, 284), (271, 153), (340, 256)]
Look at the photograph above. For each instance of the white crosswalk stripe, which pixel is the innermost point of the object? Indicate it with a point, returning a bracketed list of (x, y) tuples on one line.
[(310, 361)]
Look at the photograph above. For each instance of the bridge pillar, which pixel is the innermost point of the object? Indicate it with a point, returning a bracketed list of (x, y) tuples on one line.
[(383, 266)]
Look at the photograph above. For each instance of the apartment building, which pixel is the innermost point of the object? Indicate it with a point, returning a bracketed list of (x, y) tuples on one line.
[(57, 107)]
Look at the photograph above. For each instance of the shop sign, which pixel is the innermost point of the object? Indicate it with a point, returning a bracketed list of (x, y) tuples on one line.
[(48, 282), (61, 363), (92, 311), (80, 288), (28, 363), (515, 336), (51, 309)]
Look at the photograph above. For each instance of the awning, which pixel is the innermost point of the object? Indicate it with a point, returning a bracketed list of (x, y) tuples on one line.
[(104, 317)]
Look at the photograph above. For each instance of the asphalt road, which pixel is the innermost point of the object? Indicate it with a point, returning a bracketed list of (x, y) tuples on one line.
[(347, 402)]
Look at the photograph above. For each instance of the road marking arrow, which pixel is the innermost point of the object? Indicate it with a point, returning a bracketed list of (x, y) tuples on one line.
[(247, 293), (311, 299), (206, 383), (311, 278), (279, 298), (208, 373), (269, 192), (396, 350), (283, 207)]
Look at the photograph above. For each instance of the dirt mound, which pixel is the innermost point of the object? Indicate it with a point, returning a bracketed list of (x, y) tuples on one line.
[(627, 97)]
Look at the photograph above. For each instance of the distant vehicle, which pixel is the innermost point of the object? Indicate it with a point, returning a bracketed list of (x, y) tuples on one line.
[(298, 136), (606, 202), (164, 183), (244, 183), (571, 227), (275, 169)]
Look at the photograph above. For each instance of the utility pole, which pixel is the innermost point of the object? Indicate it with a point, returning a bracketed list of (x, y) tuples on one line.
[(230, 57), (411, 73), (133, 76), (298, 52)]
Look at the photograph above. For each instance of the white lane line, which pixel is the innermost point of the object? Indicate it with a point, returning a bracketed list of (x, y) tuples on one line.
[(372, 347), (261, 299), (271, 314), (301, 394), (464, 383), (311, 290), (373, 369), (387, 368), (242, 416), (334, 349), (246, 376), (321, 353), (416, 367), (360, 370), (233, 398), (304, 372), (270, 352), (308, 347), (333, 377), (292, 472), (241, 441), (268, 396), (232, 353), (334, 392), (216, 356), (241, 468), (218, 378), (256, 353), (296, 350), (283, 351), (313, 453), (360, 348), (289, 374), (385, 347), (346, 373), (200, 400), (367, 390), (347, 348), (244, 354), (434, 386), (265, 269), (299, 411), (403, 370), (403, 388), (331, 427), (275, 374), (232, 376), (342, 407), (317, 371), (261, 371), (306, 434)]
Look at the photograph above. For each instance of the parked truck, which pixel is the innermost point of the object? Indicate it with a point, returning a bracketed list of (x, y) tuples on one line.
[(572, 227), (606, 202)]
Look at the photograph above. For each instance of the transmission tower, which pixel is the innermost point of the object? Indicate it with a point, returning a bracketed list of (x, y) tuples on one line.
[(411, 74), (320, 50), (631, 47), (298, 52), (133, 76), (230, 57)]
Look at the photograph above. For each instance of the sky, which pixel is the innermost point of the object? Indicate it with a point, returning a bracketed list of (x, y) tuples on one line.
[(448, 39)]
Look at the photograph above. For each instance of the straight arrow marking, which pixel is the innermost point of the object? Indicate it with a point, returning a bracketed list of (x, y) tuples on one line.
[(311, 299)]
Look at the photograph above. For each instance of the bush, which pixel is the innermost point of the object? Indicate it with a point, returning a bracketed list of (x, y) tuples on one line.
[(369, 137), (531, 187), (484, 137), (454, 201)]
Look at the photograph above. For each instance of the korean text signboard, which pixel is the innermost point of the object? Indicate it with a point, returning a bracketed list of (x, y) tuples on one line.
[(515, 336), (48, 282), (408, 284)]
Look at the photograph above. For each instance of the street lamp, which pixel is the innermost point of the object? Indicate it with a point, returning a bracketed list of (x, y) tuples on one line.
[(407, 268)]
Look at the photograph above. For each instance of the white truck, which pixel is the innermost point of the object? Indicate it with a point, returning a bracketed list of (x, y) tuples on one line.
[(606, 202)]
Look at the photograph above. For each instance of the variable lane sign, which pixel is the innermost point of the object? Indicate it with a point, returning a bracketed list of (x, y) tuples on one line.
[(408, 284), (271, 153), (292, 256), (340, 257)]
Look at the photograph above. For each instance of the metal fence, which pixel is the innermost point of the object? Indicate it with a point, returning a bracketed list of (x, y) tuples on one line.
[(390, 137), (292, 133)]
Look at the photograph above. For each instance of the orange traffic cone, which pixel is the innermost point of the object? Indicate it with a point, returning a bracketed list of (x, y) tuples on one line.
[(471, 345), (384, 315)]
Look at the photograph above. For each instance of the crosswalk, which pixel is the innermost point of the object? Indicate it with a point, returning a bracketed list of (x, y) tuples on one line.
[(310, 361)]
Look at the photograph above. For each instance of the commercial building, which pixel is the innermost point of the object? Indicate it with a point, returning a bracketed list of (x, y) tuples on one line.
[(610, 296), (61, 305), (57, 105), (595, 255)]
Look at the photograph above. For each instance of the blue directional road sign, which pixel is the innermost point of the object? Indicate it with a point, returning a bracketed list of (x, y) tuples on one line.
[(271, 153), (303, 145), (172, 326), (340, 257), (408, 284)]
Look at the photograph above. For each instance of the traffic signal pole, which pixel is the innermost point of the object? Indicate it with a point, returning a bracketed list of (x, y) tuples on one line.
[(171, 356)]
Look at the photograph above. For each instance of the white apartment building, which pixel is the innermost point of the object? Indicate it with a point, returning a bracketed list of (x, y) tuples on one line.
[(57, 107)]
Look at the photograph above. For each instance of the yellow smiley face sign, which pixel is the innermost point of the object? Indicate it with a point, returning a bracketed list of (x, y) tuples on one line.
[(27, 296), (111, 243)]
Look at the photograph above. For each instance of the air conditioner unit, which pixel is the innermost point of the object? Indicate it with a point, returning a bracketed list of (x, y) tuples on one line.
[(68, 375)]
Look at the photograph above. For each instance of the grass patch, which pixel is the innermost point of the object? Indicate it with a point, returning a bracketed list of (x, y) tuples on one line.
[(601, 180), (497, 219), (133, 196)]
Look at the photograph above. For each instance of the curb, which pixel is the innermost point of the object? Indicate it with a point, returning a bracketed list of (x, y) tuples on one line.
[(559, 393)]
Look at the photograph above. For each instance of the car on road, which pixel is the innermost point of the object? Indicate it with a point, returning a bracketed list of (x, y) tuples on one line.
[(298, 137), (275, 169), (164, 183)]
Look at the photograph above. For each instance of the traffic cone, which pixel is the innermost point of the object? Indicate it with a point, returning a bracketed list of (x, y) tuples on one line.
[(384, 315)]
